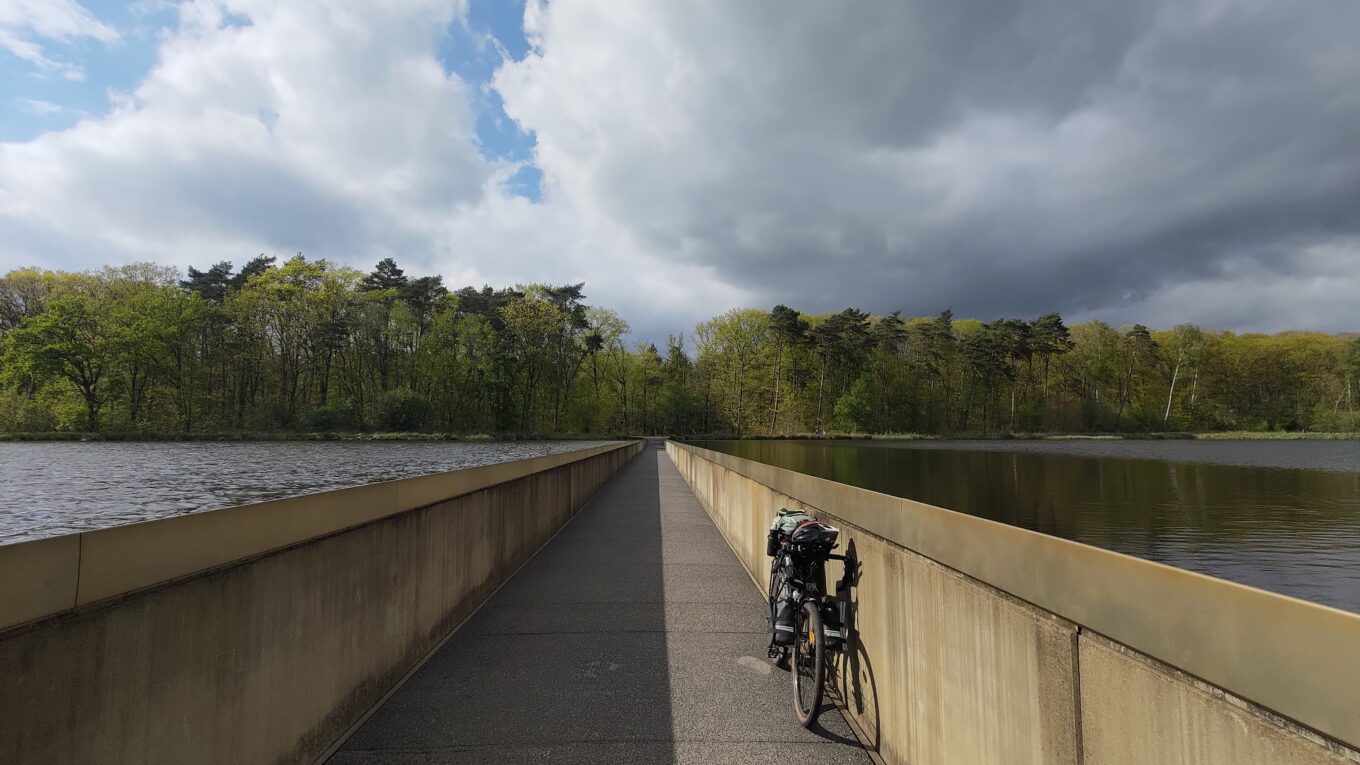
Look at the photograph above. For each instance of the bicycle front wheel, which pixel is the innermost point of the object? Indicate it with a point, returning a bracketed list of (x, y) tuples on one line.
[(809, 663)]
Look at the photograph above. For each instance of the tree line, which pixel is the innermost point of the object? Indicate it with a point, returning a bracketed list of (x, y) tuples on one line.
[(307, 345), (785, 372)]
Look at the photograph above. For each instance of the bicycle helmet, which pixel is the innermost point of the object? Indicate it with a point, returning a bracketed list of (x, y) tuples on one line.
[(814, 537)]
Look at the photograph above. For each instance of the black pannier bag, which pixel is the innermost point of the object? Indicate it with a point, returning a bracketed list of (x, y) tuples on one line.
[(783, 623), (833, 617)]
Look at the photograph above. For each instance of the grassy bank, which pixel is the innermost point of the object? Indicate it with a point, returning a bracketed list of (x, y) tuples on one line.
[(1238, 435), (1277, 436), (297, 436), (1241, 435)]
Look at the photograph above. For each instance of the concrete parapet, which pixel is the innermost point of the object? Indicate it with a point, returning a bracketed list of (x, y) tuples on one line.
[(38, 578), (983, 643), (261, 633), (1139, 711)]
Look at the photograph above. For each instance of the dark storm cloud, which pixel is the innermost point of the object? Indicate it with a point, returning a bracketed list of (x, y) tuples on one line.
[(1002, 158), (1186, 160)]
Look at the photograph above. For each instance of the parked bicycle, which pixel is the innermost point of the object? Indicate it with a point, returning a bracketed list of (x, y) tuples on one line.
[(805, 622)]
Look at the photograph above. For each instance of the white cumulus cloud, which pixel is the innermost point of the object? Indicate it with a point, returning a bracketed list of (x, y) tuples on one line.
[(1150, 160), (329, 128)]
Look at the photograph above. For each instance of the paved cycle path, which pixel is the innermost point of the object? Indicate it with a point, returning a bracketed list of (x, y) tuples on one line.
[(634, 636)]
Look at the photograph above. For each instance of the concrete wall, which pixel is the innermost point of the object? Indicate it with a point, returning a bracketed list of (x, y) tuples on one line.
[(260, 633), (976, 642)]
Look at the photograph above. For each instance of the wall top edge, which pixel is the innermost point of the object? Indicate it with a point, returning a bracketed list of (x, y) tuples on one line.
[(1297, 658), (57, 573)]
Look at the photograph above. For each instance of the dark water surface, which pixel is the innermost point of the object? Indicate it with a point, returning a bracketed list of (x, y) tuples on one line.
[(1279, 515), (50, 488)]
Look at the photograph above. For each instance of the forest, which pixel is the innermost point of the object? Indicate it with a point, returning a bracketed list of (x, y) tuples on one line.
[(307, 346)]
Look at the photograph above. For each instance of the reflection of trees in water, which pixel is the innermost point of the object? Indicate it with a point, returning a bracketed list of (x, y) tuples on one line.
[(1220, 519), (1080, 497)]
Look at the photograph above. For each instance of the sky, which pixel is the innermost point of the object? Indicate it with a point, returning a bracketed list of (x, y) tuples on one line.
[(1123, 160)]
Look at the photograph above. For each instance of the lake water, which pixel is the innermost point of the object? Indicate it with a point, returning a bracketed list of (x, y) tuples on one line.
[(1278, 515), (50, 488)]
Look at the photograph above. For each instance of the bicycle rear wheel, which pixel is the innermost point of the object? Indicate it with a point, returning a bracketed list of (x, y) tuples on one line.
[(778, 583), (809, 663)]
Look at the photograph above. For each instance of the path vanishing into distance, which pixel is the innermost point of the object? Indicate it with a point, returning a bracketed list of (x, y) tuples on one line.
[(635, 635)]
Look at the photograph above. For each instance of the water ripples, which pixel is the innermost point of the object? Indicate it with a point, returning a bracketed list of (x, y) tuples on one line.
[(51, 488)]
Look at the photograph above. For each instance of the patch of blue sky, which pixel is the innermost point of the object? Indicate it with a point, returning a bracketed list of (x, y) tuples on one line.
[(34, 100), (237, 20), (504, 19), (492, 33), (526, 182)]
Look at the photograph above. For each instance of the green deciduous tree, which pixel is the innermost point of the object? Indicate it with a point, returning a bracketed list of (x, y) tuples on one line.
[(788, 329), (70, 340), (737, 342), (307, 344)]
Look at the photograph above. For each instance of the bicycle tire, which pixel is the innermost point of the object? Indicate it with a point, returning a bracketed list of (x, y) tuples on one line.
[(809, 663), (778, 580), (775, 581)]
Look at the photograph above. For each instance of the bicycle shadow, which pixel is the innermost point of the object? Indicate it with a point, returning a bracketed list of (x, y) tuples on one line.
[(854, 682)]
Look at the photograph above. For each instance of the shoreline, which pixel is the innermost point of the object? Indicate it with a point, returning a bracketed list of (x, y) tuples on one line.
[(1239, 435), (258, 436), (354, 436)]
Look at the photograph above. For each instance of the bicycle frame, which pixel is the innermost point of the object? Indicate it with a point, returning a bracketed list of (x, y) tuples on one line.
[(806, 576)]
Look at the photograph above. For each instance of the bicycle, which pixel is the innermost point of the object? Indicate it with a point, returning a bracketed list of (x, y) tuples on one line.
[(797, 582)]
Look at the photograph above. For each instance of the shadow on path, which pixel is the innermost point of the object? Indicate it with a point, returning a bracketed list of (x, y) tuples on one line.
[(632, 637)]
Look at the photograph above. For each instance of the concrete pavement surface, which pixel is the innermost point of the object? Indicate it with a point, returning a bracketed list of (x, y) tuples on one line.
[(634, 636)]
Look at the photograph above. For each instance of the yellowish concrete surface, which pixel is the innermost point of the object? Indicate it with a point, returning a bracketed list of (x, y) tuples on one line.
[(1136, 712), (961, 672), (272, 658), (37, 578), (106, 563), (941, 668), (1302, 657), (127, 558)]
